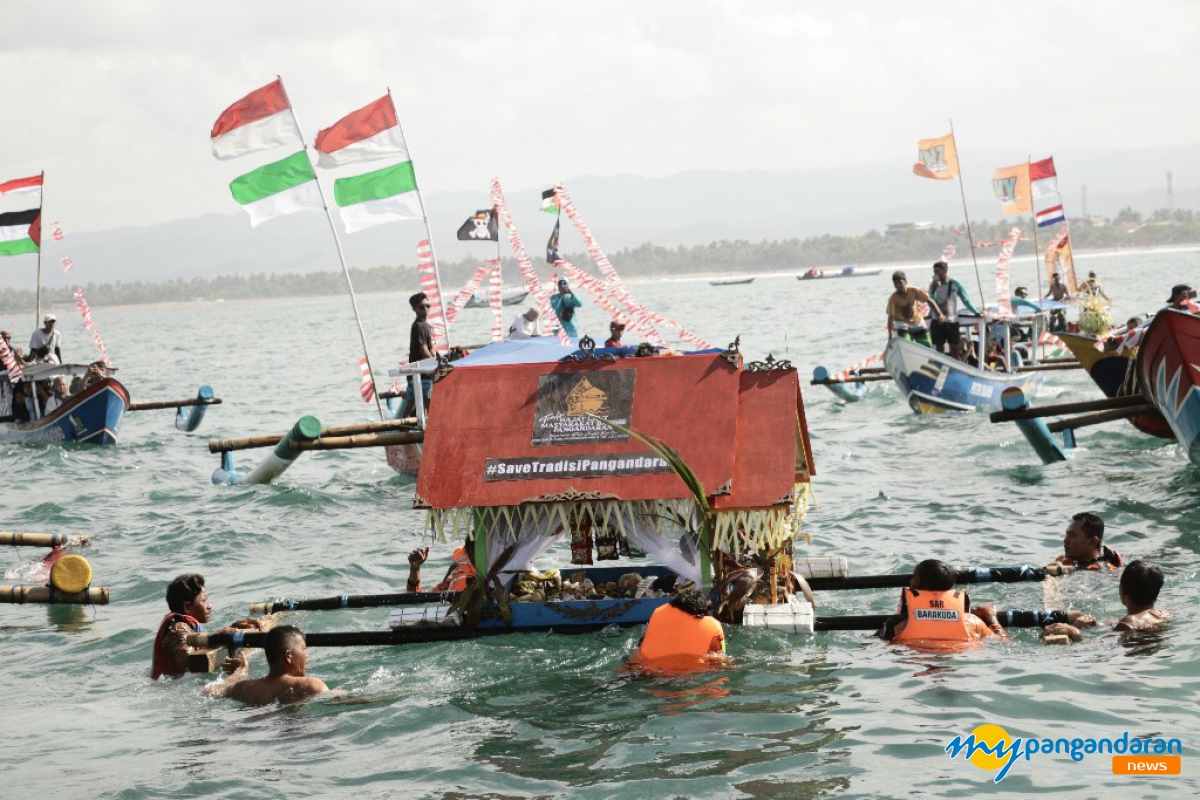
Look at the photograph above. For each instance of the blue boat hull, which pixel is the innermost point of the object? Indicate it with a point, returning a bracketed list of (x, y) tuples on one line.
[(93, 416), (933, 382)]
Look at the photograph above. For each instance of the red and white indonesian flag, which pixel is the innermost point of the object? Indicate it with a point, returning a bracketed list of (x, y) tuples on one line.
[(282, 187), (1043, 180), (22, 186), (385, 195), (259, 121), (370, 133)]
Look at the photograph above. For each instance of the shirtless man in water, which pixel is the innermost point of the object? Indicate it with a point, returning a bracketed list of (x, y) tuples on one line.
[(286, 682), (1140, 584)]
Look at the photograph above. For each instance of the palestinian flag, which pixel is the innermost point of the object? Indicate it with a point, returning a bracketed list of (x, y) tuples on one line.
[(22, 185), (368, 134), (283, 187), (259, 121), (20, 232), (385, 195), (550, 202)]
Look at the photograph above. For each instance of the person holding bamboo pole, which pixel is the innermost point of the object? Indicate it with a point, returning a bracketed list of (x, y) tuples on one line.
[(285, 682), (187, 599), (903, 314)]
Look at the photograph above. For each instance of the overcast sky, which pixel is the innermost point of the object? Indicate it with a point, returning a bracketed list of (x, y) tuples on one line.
[(115, 99)]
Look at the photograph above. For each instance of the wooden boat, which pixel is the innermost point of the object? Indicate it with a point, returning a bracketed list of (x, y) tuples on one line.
[(731, 281), (1168, 365), (93, 415), (844, 272), (933, 382), (509, 297), (1117, 376), (538, 465)]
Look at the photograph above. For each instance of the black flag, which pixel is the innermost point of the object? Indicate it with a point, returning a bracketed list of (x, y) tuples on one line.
[(481, 227), (552, 245)]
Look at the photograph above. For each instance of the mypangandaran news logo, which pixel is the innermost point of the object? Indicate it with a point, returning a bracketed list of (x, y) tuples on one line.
[(989, 747)]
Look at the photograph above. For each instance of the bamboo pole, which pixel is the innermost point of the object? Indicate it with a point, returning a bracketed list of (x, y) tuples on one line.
[(1014, 618), (850, 379), (355, 442), (47, 596), (1044, 367), (1015, 574), (269, 440), (156, 404), (1068, 408), (344, 638), (17, 539), (1099, 418), (354, 601)]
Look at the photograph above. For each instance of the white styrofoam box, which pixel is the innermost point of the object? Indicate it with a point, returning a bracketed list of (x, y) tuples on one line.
[(427, 615), (795, 616), (830, 567)]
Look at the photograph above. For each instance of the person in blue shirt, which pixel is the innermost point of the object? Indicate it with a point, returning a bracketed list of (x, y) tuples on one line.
[(946, 293), (1021, 301), (564, 304)]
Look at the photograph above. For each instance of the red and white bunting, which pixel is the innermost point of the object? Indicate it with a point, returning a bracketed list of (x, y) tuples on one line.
[(366, 386), (1003, 301), (866, 362), (67, 264), (948, 253), (11, 362), (429, 285), (496, 301), (57, 231), (528, 274), (593, 247), (468, 291), (90, 324)]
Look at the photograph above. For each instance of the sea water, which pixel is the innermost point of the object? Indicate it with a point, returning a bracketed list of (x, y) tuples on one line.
[(545, 715)]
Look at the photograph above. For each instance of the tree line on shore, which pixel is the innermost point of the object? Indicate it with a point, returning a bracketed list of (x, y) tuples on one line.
[(1127, 230)]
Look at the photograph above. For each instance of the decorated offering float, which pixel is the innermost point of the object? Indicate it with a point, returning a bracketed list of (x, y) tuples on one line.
[(1168, 365)]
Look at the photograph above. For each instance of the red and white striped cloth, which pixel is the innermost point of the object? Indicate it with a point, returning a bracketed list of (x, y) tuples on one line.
[(866, 362), (593, 247), (11, 362), (496, 301), (948, 253), (528, 274), (1003, 301), (90, 324), (67, 264), (468, 291), (58, 231), (429, 285), (367, 385)]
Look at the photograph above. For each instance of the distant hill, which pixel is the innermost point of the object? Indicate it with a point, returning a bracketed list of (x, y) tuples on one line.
[(623, 211)]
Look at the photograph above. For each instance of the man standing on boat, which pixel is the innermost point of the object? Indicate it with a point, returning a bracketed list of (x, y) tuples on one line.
[(1058, 291), (946, 293), (904, 315), (44, 344), (420, 347), (564, 304)]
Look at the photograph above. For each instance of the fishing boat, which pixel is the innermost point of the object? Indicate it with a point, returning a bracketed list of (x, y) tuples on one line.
[(509, 297), (932, 382), (844, 272), (1168, 365), (93, 415), (731, 281), (573, 452), (1115, 372)]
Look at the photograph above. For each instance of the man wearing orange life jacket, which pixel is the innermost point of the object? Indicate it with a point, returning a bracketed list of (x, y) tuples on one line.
[(682, 635), (933, 614), (1083, 545), (458, 577), (187, 600)]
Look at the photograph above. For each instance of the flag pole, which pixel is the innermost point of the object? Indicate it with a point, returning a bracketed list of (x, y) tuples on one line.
[(362, 336), (41, 207), (437, 276), (967, 217)]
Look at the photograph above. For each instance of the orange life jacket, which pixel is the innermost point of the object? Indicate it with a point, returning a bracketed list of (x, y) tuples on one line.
[(1109, 558), (460, 574), (163, 661), (936, 616), (677, 635)]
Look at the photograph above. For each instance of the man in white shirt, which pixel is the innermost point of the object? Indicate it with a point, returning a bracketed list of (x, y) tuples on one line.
[(44, 344), (525, 326)]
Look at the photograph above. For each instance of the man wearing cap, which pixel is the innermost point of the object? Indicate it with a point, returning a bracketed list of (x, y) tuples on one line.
[(525, 326), (1183, 298), (44, 344), (564, 304), (615, 329)]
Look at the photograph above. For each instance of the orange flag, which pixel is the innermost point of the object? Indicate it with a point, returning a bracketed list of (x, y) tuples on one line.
[(1011, 185), (938, 158)]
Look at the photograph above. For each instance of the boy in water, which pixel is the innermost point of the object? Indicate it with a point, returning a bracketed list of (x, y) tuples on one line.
[(187, 599), (287, 657), (1140, 584)]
